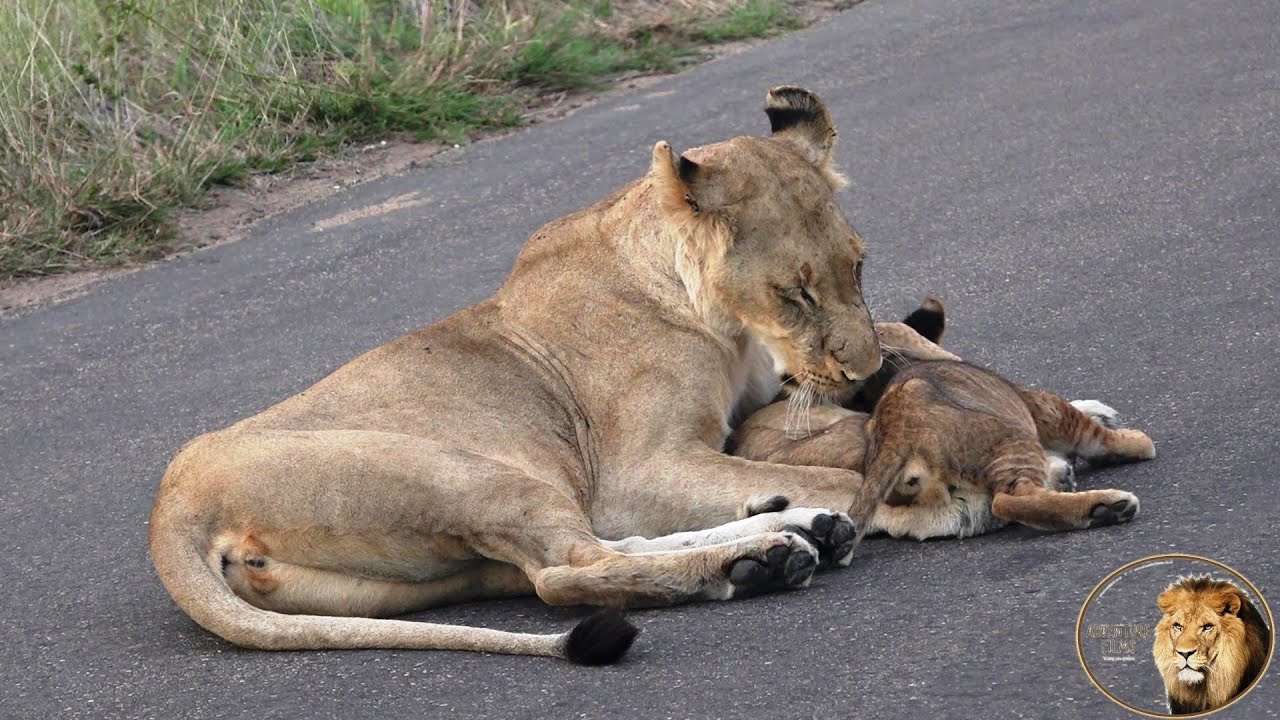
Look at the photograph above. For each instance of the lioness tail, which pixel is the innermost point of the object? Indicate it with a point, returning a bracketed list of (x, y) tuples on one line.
[(199, 590)]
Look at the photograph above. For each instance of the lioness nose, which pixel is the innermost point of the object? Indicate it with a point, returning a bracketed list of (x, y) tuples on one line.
[(1186, 654), (867, 370)]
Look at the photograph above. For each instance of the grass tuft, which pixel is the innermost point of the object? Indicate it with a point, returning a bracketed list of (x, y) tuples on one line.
[(754, 18)]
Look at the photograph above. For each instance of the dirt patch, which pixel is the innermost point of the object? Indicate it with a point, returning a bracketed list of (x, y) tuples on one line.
[(230, 213)]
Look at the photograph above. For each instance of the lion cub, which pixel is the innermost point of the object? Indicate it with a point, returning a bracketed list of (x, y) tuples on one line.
[(962, 450)]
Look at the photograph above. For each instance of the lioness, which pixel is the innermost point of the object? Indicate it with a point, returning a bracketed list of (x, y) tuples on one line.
[(1210, 645), (963, 450), (531, 442)]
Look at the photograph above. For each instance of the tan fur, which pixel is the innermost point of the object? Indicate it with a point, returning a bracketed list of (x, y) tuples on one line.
[(1224, 635), (962, 450), (589, 398)]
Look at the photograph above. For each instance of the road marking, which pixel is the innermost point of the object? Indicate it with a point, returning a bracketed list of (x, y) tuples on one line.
[(399, 202)]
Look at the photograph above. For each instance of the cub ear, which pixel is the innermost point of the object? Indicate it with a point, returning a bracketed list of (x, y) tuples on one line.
[(687, 185), (798, 117), (930, 320)]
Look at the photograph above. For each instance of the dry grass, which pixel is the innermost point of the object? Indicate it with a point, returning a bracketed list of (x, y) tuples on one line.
[(115, 112)]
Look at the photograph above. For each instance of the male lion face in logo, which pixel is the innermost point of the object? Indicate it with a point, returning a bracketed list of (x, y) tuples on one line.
[(1210, 644)]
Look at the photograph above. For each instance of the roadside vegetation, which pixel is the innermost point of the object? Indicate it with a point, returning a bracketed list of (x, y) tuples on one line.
[(114, 113)]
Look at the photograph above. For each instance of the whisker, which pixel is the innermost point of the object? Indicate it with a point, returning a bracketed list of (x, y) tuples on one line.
[(808, 414), (798, 406), (895, 352), (789, 422)]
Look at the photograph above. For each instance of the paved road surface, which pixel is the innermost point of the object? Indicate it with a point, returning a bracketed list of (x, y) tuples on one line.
[(1093, 187)]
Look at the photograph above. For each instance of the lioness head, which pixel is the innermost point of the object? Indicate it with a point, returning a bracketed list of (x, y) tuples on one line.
[(765, 247), (1209, 636)]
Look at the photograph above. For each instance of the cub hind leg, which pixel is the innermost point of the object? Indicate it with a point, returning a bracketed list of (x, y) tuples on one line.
[(1052, 510), (1017, 478), (1064, 428)]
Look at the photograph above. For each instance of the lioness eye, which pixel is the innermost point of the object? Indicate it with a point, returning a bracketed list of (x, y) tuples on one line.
[(800, 296)]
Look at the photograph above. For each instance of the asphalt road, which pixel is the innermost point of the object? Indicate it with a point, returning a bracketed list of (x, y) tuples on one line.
[(1092, 186)]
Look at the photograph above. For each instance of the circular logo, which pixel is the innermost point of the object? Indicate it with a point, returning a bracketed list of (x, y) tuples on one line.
[(1175, 636)]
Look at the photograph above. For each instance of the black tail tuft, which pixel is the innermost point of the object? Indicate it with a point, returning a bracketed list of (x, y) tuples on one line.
[(601, 639)]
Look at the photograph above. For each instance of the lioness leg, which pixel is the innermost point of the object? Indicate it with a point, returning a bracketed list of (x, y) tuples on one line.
[(1064, 428), (331, 509), (296, 589), (759, 563), (698, 486), (830, 531)]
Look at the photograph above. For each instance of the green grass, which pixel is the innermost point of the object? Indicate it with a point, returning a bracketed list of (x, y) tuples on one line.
[(754, 18), (114, 113)]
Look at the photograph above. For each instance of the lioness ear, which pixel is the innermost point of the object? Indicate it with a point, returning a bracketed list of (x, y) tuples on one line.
[(683, 181), (798, 118)]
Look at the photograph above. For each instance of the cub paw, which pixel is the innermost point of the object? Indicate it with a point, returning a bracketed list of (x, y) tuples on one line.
[(832, 533), (1137, 444), (1060, 473), (1099, 412), (787, 561), (1114, 512)]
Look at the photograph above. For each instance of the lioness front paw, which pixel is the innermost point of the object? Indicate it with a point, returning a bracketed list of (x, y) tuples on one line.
[(785, 561), (832, 533), (1120, 509)]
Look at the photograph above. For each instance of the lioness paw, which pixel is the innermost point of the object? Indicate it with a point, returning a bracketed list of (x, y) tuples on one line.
[(832, 533), (783, 561), (1099, 412)]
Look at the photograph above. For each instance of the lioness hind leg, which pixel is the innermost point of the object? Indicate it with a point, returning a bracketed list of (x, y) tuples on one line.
[(281, 586)]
